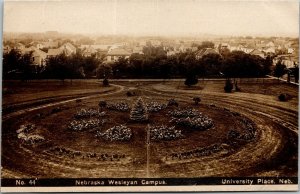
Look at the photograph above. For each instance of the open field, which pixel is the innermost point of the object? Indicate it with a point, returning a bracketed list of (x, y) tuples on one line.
[(270, 150)]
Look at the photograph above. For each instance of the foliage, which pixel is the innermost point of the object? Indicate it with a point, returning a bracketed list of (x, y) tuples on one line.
[(282, 97), (116, 133), (191, 80), (155, 106), (105, 82), (199, 122), (228, 86), (172, 102), (139, 111), (102, 104), (279, 70), (86, 113), (120, 106), (183, 113), (197, 100), (80, 125), (163, 132)]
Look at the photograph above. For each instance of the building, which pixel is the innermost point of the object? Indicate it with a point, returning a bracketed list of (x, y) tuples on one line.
[(204, 52), (257, 53), (68, 49), (89, 51), (39, 57), (54, 52), (114, 54)]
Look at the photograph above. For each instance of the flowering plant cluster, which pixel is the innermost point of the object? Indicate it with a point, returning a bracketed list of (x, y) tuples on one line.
[(116, 133), (155, 106), (90, 112), (163, 132), (25, 136), (85, 124), (121, 106)]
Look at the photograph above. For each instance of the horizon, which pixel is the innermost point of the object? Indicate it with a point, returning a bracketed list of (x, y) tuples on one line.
[(154, 18)]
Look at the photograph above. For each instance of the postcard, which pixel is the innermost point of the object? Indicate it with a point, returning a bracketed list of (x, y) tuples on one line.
[(150, 96)]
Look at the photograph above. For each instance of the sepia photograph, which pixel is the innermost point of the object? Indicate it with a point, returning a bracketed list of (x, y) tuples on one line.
[(149, 95)]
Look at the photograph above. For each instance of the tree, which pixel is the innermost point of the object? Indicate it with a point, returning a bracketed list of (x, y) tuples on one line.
[(228, 86), (279, 70), (103, 71), (105, 82), (190, 80), (11, 63), (139, 111)]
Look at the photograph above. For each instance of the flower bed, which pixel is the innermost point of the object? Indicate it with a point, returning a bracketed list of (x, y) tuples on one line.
[(155, 106), (25, 136), (163, 132), (179, 113), (84, 113), (121, 106), (198, 123), (198, 152), (116, 133), (85, 124)]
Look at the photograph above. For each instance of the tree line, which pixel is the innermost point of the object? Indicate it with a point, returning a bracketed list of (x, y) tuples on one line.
[(154, 63)]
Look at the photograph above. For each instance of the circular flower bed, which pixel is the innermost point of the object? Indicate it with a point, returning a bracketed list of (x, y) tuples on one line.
[(163, 132), (116, 133), (85, 124)]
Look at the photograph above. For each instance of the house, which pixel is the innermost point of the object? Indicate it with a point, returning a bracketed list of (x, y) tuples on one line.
[(49, 44), (68, 49), (89, 51), (19, 47), (6, 49), (270, 44), (54, 52), (114, 54), (204, 52), (39, 57), (257, 53), (138, 49)]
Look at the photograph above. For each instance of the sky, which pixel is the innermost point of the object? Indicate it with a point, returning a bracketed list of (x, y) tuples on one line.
[(154, 17)]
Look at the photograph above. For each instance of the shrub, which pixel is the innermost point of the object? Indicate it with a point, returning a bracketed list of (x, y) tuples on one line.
[(282, 97), (55, 110), (139, 111), (197, 100), (172, 102), (26, 128), (116, 133), (102, 104), (191, 80), (130, 93), (228, 86), (78, 100), (105, 82)]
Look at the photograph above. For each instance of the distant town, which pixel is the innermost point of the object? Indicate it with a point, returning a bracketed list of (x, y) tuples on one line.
[(110, 49)]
